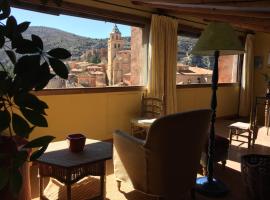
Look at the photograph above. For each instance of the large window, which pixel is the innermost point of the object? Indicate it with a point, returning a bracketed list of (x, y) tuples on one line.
[(198, 69), (103, 54)]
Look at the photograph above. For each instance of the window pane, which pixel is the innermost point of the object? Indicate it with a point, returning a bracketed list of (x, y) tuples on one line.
[(103, 54), (193, 69)]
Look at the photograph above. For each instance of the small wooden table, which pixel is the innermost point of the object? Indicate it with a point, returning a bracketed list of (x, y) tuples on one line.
[(67, 167)]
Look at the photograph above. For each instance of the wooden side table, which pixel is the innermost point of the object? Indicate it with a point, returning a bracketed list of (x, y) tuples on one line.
[(67, 167)]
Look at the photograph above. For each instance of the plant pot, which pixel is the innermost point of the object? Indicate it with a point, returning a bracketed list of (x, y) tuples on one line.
[(76, 142), (255, 170)]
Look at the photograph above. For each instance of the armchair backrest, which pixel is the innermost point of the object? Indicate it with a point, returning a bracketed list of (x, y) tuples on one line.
[(173, 148)]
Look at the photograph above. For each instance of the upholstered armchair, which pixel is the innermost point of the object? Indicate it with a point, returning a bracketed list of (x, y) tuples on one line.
[(166, 163)]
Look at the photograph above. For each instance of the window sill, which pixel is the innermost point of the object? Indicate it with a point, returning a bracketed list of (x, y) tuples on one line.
[(71, 91), (206, 85)]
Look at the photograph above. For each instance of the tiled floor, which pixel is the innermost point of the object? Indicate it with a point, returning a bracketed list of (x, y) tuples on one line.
[(231, 176)]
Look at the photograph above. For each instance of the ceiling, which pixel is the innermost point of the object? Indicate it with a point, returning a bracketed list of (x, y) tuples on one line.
[(250, 15)]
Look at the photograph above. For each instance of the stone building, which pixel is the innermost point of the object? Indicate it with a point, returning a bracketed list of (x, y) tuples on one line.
[(115, 44), (136, 56), (121, 67), (191, 74)]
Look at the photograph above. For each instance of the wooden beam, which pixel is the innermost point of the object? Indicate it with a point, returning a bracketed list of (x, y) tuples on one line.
[(243, 23), (206, 9), (207, 1), (82, 11), (248, 5)]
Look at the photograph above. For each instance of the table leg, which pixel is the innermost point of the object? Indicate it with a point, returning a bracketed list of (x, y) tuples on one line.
[(41, 185), (68, 192), (103, 182)]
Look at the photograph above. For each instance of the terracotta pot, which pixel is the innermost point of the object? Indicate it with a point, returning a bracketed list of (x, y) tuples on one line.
[(76, 142)]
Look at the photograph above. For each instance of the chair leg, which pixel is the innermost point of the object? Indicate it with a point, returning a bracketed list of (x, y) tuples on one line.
[(249, 139), (230, 134), (223, 162), (193, 194), (205, 171), (118, 185)]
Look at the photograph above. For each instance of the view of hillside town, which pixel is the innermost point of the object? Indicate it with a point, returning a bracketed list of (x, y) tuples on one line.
[(116, 61)]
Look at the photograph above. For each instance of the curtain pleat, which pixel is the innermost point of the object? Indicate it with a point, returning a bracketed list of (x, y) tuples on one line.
[(163, 52), (246, 90)]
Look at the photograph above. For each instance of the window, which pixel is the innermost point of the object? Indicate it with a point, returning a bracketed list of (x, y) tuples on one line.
[(103, 54), (193, 69)]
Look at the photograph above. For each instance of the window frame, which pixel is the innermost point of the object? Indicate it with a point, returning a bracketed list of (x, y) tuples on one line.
[(91, 13), (196, 32)]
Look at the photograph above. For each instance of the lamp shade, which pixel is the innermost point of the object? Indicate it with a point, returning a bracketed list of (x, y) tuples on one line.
[(218, 36)]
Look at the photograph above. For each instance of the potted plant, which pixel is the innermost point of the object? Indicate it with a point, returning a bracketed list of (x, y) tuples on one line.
[(28, 67)]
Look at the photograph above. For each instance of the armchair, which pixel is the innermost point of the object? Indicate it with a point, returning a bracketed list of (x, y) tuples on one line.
[(170, 154)]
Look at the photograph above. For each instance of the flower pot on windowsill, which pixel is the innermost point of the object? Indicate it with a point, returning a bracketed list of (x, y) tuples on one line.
[(76, 142)]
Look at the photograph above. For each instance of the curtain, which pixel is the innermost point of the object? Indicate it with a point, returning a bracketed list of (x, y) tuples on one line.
[(162, 61), (246, 90)]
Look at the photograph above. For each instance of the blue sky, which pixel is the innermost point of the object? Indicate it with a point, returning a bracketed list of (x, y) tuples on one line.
[(76, 25)]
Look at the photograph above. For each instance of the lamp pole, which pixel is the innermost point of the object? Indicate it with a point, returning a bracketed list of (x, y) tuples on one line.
[(211, 147), (209, 186)]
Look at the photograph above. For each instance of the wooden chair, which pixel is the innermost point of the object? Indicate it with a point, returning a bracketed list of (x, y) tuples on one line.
[(245, 130), (151, 109)]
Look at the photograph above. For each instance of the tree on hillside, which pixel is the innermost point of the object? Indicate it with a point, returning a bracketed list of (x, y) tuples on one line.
[(94, 59)]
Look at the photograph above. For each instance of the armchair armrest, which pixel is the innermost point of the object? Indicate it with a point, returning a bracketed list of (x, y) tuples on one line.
[(129, 159)]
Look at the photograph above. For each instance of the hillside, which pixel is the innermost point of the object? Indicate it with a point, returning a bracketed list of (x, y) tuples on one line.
[(77, 45), (56, 38)]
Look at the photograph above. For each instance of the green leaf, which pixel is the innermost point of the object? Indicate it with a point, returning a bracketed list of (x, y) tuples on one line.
[(5, 85), (38, 153), (20, 158), (4, 120), (5, 9), (15, 182), (59, 67), (12, 56), (39, 142), (23, 26), (20, 126), (44, 77), (27, 64), (27, 100), (2, 41), (34, 117), (37, 41), (11, 26), (4, 174), (59, 53), (26, 46)]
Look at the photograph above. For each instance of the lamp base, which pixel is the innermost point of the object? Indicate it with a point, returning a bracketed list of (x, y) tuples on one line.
[(214, 188)]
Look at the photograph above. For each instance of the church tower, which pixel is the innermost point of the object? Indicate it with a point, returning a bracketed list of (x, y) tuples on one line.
[(115, 44)]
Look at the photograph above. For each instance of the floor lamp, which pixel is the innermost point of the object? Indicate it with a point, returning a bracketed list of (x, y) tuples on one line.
[(217, 39)]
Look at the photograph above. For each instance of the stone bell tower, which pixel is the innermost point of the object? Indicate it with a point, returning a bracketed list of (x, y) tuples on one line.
[(115, 44)]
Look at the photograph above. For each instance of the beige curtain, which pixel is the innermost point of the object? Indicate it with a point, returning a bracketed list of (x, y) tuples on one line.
[(162, 60), (246, 90)]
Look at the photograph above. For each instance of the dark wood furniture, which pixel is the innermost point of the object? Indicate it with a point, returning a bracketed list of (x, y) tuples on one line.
[(60, 163), (151, 108), (265, 101), (220, 153), (255, 170), (248, 130)]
